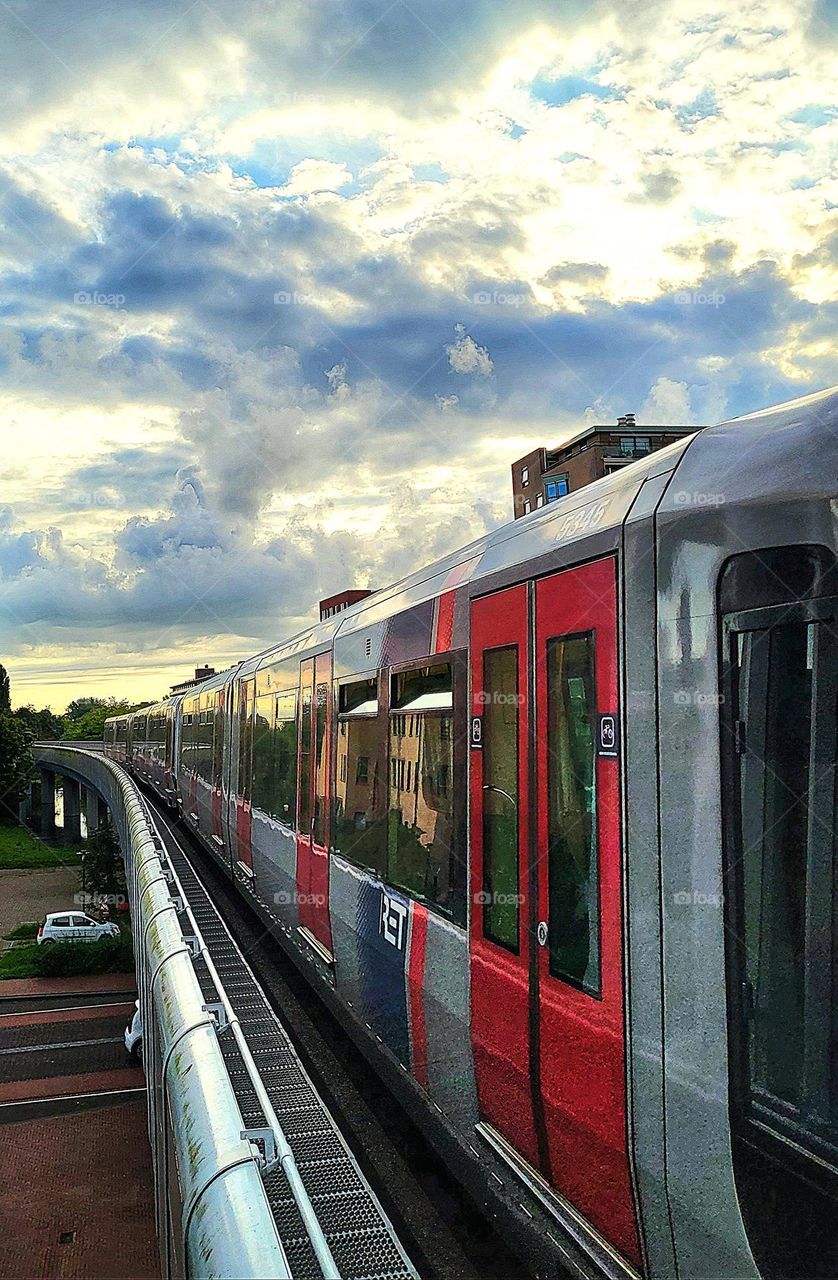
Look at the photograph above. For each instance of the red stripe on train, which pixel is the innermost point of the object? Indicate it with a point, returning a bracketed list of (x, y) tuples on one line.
[(444, 622), (416, 987)]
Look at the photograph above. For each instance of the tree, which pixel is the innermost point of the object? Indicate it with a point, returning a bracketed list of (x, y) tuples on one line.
[(80, 707), (85, 717), (17, 765), (5, 691), (103, 873), (44, 724)]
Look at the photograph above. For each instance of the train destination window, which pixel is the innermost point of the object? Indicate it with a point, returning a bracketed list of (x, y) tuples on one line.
[(361, 785), (500, 796), (420, 827), (573, 873)]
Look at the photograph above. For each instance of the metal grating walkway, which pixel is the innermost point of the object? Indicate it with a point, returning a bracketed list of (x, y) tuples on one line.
[(362, 1239)]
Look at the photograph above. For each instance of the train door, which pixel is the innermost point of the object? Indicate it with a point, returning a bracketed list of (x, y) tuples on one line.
[(544, 690), (313, 814), (241, 800), (580, 926), (501, 941)]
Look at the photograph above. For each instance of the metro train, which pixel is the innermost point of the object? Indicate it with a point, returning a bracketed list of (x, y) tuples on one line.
[(550, 824)]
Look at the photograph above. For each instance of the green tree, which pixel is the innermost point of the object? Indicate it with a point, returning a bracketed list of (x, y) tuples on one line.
[(80, 707), (104, 871), (5, 691), (44, 724), (85, 717), (17, 765)]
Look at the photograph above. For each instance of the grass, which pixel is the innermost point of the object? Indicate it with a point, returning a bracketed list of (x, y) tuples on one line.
[(28, 929), (18, 963), (19, 849)]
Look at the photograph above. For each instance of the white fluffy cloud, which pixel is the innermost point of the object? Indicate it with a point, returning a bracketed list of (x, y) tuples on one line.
[(237, 242)]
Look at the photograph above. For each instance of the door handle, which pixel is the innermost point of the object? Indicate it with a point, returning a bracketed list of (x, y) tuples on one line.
[(488, 787)]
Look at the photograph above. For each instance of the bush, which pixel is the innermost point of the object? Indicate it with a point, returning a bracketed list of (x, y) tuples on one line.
[(69, 959), (19, 962), (29, 929)]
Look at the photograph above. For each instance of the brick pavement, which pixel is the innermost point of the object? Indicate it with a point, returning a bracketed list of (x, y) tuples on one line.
[(30, 894), (57, 1180)]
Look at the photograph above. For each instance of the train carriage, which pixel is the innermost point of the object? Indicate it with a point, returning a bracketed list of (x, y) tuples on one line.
[(552, 824)]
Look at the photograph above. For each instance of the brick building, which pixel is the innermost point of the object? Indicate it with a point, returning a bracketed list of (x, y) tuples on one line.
[(545, 475)]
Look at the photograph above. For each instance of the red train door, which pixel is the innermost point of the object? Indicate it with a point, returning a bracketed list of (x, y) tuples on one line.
[(313, 815), (548, 1021), (501, 943), (580, 922)]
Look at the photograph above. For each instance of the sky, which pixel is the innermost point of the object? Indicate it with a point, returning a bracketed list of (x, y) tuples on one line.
[(286, 287)]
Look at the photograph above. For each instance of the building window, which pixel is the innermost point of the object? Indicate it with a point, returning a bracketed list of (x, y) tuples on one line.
[(557, 487), (627, 445), (539, 502), (527, 507), (643, 444), (525, 475)]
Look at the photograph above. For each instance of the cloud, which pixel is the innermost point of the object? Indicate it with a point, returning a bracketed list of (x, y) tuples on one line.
[(237, 242), (668, 404), (465, 356)]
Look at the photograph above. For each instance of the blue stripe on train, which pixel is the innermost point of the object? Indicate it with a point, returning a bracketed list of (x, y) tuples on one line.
[(382, 948)]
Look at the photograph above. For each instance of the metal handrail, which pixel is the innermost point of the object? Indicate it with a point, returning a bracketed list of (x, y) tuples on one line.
[(226, 1226), (284, 1154)]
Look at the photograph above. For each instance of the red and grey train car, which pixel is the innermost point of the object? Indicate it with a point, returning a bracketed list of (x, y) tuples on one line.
[(551, 825)]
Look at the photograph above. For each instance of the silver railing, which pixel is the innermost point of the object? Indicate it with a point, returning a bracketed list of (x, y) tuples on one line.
[(213, 1215)]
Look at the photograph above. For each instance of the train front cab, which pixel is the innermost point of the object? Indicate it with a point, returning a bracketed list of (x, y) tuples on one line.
[(744, 557)]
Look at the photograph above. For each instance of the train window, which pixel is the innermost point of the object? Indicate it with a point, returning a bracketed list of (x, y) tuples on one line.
[(421, 844), (361, 783), (573, 873), (360, 698), (275, 755), (245, 738), (263, 751), (321, 763), (787, 875), (304, 822), (500, 797), (780, 663)]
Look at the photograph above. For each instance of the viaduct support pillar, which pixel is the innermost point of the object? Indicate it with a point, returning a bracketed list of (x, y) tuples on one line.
[(72, 810), (48, 831), (91, 809)]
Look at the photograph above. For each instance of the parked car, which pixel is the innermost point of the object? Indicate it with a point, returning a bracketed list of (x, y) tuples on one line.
[(74, 926), (134, 1034)]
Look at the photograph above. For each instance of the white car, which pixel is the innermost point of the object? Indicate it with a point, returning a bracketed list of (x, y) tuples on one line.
[(134, 1034), (74, 926)]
